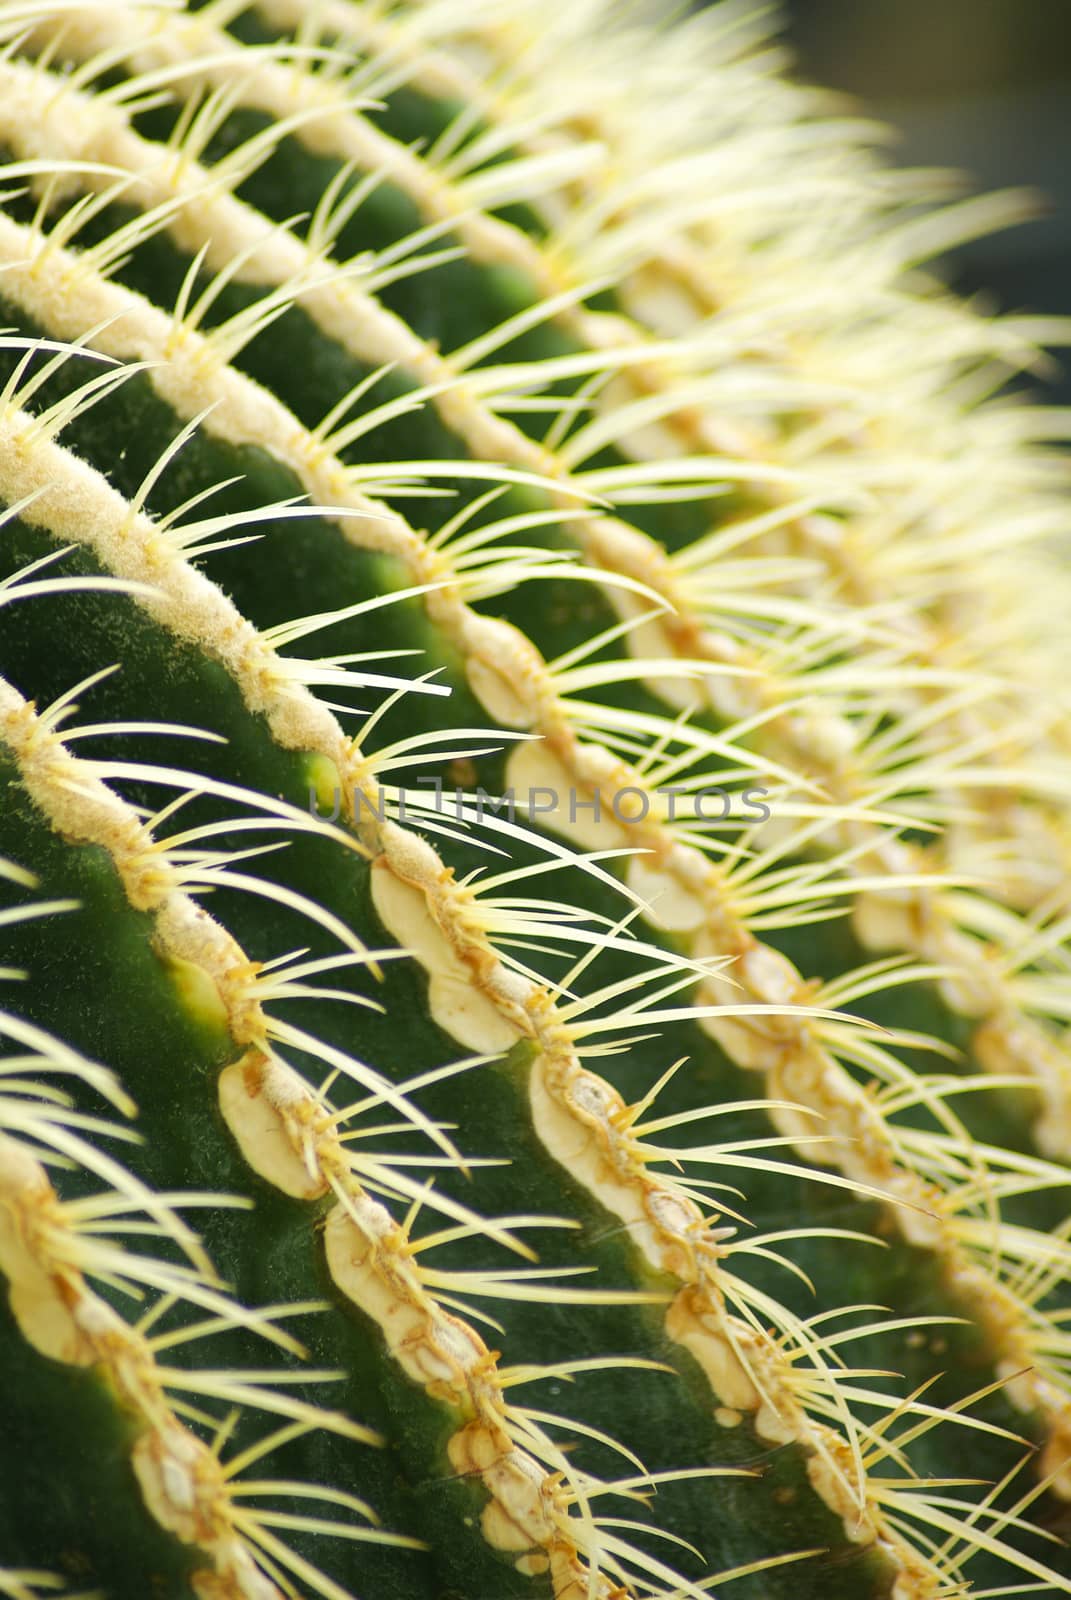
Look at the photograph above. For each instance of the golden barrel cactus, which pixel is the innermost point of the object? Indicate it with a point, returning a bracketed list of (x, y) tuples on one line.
[(534, 842)]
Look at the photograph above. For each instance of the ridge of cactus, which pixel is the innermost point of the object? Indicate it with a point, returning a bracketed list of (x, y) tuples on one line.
[(636, 1206)]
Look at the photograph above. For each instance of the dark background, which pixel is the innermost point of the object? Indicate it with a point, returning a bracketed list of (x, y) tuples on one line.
[(981, 85)]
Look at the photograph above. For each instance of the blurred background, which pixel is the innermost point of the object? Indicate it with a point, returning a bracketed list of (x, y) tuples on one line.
[(983, 85)]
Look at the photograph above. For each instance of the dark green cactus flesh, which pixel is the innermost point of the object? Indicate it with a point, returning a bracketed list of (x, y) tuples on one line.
[(534, 840)]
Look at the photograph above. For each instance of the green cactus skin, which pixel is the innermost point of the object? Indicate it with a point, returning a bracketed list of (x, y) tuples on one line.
[(411, 1199)]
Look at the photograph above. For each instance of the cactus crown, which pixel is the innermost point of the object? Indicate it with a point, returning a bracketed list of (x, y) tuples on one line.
[(533, 855)]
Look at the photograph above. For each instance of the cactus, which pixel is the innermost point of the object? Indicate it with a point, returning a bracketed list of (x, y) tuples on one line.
[(534, 841)]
